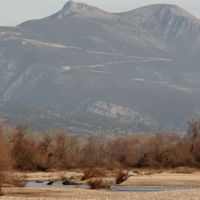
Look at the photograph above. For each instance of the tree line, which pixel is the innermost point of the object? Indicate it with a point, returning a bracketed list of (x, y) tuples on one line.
[(23, 150)]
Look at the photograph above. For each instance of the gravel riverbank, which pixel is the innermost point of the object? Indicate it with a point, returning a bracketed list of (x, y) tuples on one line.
[(82, 194)]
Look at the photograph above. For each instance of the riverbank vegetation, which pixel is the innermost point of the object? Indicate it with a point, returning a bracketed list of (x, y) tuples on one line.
[(23, 150)]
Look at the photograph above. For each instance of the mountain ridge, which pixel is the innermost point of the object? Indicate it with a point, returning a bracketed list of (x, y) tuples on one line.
[(89, 70), (169, 19), (71, 8), (169, 23), (175, 9)]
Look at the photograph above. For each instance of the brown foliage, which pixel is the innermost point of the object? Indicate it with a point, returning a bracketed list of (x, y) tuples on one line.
[(6, 161), (57, 150), (24, 149), (94, 152), (66, 151)]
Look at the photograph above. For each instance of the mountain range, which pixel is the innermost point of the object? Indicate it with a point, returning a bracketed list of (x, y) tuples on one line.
[(92, 71)]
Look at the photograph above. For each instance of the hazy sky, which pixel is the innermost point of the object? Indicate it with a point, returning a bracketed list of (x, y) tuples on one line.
[(13, 12)]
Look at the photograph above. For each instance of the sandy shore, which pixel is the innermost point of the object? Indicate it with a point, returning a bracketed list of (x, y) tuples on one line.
[(165, 179), (80, 194)]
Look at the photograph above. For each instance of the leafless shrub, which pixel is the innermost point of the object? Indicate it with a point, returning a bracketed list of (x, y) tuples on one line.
[(23, 149), (127, 151), (6, 161), (122, 176), (92, 173), (45, 153), (98, 184), (64, 150), (94, 152), (193, 134)]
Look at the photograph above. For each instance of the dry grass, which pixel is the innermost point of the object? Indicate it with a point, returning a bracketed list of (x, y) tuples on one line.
[(184, 170)]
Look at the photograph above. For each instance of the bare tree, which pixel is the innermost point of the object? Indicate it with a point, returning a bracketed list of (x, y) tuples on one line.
[(6, 161), (194, 133)]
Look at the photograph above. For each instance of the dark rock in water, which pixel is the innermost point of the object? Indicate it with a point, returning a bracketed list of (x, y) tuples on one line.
[(50, 182)]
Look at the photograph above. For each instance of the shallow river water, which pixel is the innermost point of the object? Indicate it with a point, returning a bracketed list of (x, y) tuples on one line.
[(114, 188)]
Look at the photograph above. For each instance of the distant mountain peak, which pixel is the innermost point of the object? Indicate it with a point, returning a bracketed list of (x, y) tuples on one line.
[(170, 9), (72, 8), (162, 10), (170, 17)]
